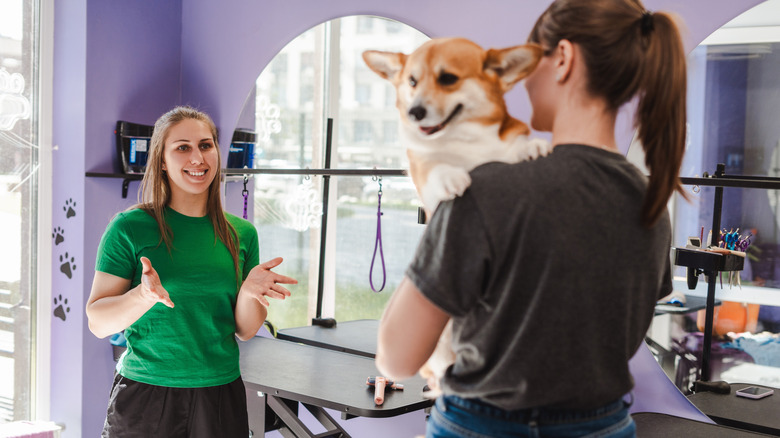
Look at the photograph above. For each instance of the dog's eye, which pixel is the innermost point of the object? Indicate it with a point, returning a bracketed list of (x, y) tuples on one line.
[(412, 81), (447, 79)]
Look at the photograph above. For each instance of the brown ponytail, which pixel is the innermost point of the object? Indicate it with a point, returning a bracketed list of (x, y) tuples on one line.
[(661, 114), (631, 52)]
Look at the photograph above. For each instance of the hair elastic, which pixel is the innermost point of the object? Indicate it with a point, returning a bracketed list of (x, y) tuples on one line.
[(646, 23)]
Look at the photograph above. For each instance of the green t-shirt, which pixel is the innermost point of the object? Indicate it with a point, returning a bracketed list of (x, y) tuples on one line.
[(194, 344)]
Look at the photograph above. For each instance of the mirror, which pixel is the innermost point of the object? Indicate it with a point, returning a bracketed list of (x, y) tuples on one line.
[(733, 110), (734, 118)]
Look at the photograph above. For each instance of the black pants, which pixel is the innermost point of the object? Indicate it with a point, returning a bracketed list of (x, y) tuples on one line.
[(136, 409)]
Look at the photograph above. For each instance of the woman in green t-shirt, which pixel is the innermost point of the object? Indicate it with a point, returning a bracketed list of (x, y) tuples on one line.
[(182, 279)]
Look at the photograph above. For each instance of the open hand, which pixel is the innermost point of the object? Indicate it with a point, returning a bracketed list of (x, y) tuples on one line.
[(151, 287), (262, 282)]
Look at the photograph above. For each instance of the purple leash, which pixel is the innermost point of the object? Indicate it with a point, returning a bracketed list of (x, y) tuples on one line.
[(245, 194), (378, 243)]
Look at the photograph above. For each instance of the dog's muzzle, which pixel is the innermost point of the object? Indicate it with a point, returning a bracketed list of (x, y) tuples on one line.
[(418, 113)]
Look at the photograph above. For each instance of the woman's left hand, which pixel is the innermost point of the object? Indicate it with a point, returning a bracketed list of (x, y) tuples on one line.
[(262, 282)]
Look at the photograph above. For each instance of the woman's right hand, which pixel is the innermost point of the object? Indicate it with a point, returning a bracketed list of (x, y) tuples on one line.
[(151, 288), (113, 305)]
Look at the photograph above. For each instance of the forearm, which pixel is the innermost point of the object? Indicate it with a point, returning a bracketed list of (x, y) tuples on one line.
[(250, 315), (408, 332), (113, 314)]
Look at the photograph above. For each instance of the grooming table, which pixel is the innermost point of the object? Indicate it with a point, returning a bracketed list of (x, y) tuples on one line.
[(355, 337), (281, 374), (653, 425), (743, 413), (692, 304)]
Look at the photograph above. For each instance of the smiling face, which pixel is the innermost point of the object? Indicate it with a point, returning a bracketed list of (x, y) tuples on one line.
[(190, 160), (442, 84), (450, 86)]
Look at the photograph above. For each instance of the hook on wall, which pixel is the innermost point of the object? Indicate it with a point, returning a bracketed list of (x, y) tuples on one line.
[(378, 240), (245, 193)]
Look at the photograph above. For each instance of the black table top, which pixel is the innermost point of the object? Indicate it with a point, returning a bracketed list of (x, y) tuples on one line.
[(692, 304), (355, 337), (652, 425), (323, 377), (756, 415)]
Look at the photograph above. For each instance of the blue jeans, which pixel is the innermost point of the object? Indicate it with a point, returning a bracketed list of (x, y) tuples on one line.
[(455, 417)]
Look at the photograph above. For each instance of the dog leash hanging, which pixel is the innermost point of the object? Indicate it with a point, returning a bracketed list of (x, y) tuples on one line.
[(378, 243), (245, 194)]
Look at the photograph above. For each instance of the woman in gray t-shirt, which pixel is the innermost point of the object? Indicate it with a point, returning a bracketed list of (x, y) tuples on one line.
[(550, 269)]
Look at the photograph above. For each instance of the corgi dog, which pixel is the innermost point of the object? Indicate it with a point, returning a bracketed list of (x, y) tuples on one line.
[(450, 95)]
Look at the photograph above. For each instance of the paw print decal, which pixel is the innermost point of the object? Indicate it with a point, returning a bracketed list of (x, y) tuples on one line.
[(68, 208), (15, 106), (68, 266), (62, 309), (57, 235)]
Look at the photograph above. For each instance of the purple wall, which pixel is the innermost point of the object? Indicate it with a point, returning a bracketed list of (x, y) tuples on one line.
[(113, 60), (134, 60), (70, 77), (219, 80)]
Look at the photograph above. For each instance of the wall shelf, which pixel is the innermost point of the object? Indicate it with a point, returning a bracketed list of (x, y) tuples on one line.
[(126, 178)]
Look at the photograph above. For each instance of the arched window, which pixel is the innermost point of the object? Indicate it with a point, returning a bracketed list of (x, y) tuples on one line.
[(318, 76)]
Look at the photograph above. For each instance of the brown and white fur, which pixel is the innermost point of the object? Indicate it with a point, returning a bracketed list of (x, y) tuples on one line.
[(450, 93)]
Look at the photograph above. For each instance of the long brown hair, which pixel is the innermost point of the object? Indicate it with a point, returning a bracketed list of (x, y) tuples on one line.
[(155, 190), (629, 52)]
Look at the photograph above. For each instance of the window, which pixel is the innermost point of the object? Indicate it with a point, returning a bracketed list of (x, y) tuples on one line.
[(288, 208), (363, 94), (19, 147), (389, 95), (279, 66), (390, 132), (364, 133), (365, 25), (393, 27)]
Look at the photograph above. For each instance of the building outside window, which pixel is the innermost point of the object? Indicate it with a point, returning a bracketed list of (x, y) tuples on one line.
[(390, 131)]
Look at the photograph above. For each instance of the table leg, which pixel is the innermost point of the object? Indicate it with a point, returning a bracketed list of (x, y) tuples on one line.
[(326, 420), (712, 277), (293, 426), (255, 406)]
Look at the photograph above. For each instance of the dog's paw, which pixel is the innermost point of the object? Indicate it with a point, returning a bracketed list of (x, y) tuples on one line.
[(432, 388), (533, 148), (445, 182)]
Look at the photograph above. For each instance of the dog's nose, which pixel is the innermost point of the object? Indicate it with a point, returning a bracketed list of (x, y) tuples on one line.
[(418, 112)]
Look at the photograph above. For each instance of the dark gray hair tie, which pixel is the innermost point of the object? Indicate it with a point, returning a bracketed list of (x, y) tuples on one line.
[(647, 23)]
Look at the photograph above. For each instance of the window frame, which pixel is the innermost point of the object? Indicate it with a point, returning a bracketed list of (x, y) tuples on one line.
[(41, 323)]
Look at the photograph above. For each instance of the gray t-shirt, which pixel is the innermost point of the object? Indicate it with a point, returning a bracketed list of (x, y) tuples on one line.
[(549, 276)]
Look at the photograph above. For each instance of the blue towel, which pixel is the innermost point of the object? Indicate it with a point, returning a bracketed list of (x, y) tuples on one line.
[(764, 348)]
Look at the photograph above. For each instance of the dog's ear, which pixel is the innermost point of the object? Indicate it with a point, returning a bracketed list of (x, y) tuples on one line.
[(513, 64), (385, 64)]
